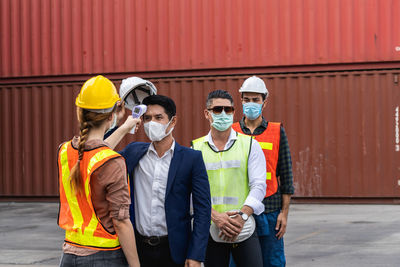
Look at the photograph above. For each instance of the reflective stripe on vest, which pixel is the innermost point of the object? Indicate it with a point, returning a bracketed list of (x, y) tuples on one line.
[(77, 215), (269, 142), (227, 172)]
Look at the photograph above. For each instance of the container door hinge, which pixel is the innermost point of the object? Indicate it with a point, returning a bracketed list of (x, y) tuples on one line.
[(396, 79)]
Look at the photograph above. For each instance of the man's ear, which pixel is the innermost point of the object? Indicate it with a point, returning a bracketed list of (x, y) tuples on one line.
[(174, 120), (172, 123), (264, 104), (206, 114)]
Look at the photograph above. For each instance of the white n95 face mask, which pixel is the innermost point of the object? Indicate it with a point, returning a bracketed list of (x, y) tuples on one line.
[(155, 131)]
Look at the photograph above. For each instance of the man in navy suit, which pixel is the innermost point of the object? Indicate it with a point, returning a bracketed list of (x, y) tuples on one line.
[(163, 177)]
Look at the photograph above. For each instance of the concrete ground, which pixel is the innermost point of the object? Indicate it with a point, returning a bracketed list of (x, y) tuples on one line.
[(317, 235)]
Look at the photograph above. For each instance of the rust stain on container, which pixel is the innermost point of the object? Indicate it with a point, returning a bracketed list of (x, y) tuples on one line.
[(53, 37), (341, 128)]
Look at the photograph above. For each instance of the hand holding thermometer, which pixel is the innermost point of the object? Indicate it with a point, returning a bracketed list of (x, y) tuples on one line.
[(137, 112)]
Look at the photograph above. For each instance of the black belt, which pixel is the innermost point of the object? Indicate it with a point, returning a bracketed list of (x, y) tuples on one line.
[(152, 240)]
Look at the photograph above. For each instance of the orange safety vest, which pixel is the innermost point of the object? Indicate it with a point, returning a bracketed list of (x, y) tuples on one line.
[(77, 215), (269, 142)]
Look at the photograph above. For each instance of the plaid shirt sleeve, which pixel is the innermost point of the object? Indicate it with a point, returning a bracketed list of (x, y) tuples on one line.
[(284, 167)]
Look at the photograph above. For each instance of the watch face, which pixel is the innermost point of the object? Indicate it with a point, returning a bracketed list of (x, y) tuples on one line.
[(245, 216)]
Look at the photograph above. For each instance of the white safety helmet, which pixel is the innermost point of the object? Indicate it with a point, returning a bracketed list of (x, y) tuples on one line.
[(254, 84), (134, 89), (247, 230)]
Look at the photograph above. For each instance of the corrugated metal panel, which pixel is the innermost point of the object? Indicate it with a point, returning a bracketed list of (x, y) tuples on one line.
[(52, 37), (341, 128), (33, 123), (342, 133)]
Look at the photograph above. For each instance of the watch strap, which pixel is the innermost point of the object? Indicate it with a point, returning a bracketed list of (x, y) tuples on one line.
[(241, 214)]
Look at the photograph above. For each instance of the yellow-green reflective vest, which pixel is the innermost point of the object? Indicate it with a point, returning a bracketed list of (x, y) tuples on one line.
[(227, 172)]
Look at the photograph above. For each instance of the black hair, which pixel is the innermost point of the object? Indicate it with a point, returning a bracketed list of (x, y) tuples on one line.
[(164, 101), (264, 96), (218, 94)]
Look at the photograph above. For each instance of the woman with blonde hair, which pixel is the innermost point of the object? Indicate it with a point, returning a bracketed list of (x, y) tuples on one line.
[(94, 188)]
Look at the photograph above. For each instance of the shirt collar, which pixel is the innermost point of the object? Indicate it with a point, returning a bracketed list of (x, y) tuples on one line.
[(170, 150), (232, 136), (264, 123)]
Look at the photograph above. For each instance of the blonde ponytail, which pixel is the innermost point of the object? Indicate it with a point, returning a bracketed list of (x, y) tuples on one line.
[(87, 120)]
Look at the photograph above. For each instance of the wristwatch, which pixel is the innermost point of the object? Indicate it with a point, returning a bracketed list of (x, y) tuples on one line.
[(245, 217)]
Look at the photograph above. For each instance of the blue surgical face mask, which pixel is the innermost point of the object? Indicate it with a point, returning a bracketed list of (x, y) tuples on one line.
[(252, 110), (222, 122)]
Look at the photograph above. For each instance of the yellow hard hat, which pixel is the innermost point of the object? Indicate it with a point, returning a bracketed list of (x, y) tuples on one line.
[(97, 94)]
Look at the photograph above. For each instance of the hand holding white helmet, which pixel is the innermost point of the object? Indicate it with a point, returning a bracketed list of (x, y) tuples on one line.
[(247, 230)]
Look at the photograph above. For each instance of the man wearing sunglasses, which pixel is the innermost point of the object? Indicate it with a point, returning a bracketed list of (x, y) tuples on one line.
[(271, 224), (236, 171)]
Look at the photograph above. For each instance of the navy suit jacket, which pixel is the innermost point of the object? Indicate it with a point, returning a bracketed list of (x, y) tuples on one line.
[(187, 175)]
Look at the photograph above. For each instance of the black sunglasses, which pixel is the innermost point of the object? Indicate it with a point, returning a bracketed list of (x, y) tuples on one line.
[(218, 109)]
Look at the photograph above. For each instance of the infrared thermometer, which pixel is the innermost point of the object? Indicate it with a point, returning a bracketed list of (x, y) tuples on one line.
[(137, 112)]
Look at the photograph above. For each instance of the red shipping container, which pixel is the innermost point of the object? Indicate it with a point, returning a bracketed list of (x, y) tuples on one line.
[(55, 37), (343, 130)]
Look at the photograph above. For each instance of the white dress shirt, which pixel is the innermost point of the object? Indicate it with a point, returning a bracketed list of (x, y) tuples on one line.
[(257, 172), (150, 183)]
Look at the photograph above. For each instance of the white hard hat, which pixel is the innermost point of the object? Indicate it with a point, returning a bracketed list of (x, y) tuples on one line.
[(247, 230), (134, 89), (254, 84)]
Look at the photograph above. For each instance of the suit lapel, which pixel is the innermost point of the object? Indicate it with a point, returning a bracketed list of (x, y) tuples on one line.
[(132, 159), (176, 159)]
